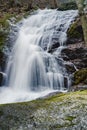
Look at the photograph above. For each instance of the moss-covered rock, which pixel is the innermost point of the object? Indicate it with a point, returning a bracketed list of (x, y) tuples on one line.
[(3, 20), (3, 35), (59, 112), (75, 32), (80, 76), (4, 28), (4, 31)]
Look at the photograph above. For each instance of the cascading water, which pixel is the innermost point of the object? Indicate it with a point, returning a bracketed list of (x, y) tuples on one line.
[(32, 71)]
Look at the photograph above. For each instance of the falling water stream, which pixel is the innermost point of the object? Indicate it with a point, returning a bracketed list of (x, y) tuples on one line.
[(32, 71)]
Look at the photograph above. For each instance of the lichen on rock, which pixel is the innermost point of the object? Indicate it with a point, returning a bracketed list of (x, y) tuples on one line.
[(60, 111)]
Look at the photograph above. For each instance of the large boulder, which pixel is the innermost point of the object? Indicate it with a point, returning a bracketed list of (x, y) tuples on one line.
[(70, 67), (75, 32), (80, 76), (2, 61), (56, 112), (77, 55)]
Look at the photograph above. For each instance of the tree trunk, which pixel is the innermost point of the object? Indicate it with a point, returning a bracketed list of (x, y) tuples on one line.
[(80, 4)]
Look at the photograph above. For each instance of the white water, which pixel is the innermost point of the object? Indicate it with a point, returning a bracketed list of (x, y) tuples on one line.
[(32, 72)]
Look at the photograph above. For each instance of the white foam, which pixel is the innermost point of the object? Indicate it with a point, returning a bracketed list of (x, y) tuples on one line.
[(31, 71)]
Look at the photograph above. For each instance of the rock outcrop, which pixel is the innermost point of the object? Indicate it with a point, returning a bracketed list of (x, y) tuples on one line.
[(2, 78), (18, 5), (75, 32), (2, 61), (59, 112), (77, 55)]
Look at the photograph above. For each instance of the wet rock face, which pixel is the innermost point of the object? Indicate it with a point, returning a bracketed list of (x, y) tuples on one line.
[(53, 47), (65, 82), (70, 67), (80, 76), (75, 32), (2, 61), (79, 87), (78, 56), (2, 67), (2, 76)]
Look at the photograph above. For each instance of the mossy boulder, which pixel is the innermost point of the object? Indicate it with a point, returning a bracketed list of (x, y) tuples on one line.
[(80, 76), (75, 32), (4, 19), (4, 28), (59, 112), (3, 36)]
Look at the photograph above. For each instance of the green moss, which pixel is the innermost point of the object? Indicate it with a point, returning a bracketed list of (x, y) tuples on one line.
[(58, 126), (56, 97), (80, 76), (70, 118), (3, 36), (4, 28), (4, 25), (73, 31), (3, 20)]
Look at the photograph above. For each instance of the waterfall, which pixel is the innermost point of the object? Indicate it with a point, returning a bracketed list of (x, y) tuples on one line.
[(32, 71)]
